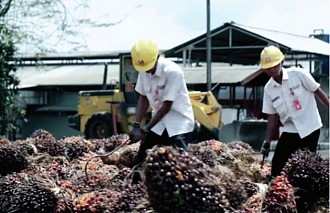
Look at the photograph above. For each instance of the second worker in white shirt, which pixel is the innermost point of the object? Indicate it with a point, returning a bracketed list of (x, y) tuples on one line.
[(161, 86)]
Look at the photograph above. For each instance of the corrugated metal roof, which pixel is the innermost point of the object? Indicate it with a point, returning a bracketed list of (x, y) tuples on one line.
[(223, 74), (74, 75), (31, 76), (237, 44), (294, 42)]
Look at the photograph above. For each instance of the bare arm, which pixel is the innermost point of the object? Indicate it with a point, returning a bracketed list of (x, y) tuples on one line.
[(141, 108), (166, 107), (272, 127), (322, 96)]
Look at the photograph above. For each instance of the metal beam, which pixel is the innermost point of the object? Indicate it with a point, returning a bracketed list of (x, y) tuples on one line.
[(208, 45)]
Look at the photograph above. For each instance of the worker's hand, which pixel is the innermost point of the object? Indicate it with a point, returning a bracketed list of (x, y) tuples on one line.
[(265, 148), (137, 133), (145, 130)]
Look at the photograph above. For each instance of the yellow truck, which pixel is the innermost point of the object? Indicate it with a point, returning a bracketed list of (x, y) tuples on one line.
[(102, 113)]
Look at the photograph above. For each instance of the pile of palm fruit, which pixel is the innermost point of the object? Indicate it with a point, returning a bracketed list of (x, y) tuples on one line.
[(42, 174)]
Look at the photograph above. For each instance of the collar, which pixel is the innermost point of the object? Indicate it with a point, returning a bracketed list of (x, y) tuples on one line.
[(285, 77), (285, 74), (158, 68)]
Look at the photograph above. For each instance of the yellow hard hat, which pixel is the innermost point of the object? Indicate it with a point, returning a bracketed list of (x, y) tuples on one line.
[(270, 57), (144, 55)]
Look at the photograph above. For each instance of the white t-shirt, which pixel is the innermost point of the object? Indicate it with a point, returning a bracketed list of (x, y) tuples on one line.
[(168, 84), (293, 101)]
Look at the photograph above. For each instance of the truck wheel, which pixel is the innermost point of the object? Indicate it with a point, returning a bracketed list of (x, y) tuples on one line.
[(99, 126)]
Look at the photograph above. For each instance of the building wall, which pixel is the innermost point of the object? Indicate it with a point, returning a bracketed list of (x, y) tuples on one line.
[(56, 124), (49, 113)]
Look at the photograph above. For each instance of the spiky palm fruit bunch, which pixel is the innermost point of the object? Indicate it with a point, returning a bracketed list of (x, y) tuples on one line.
[(45, 142), (280, 196), (255, 193), (217, 146), (113, 142), (73, 150), (4, 142), (133, 198), (250, 187), (119, 178), (25, 195), (320, 206), (242, 146), (11, 160), (253, 204), (85, 145), (203, 153), (124, 156), (234, 187), (99, 144), (178, 182), (309, 173), (242, 151), (26, 147), (240, 158), (94, 202), (128, 154)]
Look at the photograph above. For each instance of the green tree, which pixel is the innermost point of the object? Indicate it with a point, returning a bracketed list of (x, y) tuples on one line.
[(27, 26), (9, 111)]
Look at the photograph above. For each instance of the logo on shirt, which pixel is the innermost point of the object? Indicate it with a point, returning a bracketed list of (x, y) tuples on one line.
[(294, 87)]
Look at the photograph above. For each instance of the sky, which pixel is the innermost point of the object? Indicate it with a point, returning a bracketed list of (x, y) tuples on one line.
[(172, 22)]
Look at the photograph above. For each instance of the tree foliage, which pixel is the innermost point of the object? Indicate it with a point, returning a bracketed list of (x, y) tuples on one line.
[(39, 25), (34, 26), (10, 112)]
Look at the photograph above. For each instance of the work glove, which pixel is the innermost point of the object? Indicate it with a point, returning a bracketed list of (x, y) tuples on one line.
[(137, 133), (265, 148)]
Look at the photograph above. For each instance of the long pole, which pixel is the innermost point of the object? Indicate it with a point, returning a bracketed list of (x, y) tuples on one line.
[(208, 47)]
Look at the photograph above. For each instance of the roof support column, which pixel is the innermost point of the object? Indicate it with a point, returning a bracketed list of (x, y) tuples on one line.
[(208, 46), (184, 56)]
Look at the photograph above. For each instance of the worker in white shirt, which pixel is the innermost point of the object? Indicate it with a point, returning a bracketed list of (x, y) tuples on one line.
[(290, 96), (161, 86)]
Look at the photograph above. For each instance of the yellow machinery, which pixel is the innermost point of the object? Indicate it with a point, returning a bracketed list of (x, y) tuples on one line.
[(102, 113)]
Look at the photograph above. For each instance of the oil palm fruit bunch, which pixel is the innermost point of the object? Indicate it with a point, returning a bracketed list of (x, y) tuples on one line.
[(20, 194), (217, 146), (114, 141), (320, 206), (280, 196), (26, 147), (179, 182), (96, 201), (309, 173), (86, 145), (45, 142), (73, 150), (241, 146), (234, 187), (203, 153), (11, 160), (4, 142), (133, 198)]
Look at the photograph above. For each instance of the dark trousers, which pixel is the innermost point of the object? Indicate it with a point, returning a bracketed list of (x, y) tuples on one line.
[(152, 139), (288, 144)]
